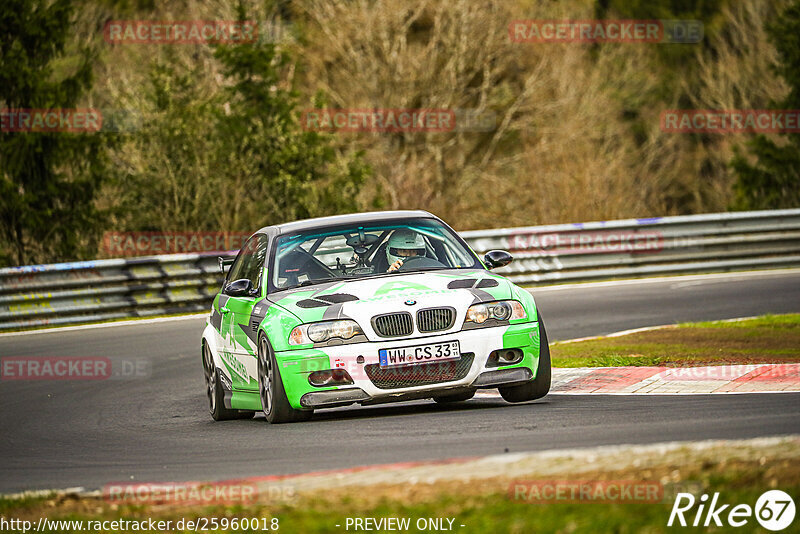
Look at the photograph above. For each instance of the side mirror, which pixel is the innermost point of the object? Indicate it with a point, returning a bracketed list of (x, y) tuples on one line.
[(497, 258), (239, 288)]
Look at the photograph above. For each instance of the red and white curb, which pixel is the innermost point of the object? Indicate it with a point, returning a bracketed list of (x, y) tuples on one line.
[(764, 378)]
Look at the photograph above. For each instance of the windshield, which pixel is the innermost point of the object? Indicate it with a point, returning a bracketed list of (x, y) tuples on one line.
[(362, 250)]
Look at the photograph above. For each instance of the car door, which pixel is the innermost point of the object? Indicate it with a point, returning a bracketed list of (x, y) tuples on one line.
[(243, 340), (227, 333)]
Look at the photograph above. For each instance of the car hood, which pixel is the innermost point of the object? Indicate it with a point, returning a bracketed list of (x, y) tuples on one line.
[(363, 299)]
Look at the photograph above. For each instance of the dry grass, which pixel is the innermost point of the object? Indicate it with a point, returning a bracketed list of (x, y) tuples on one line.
[(578, 135), (577, 126), (734, 72)]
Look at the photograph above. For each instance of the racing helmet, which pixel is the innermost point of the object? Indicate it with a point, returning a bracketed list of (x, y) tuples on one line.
[(402, 241)]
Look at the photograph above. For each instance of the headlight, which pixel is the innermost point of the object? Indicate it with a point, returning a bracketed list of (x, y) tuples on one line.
[(321, 332), (504, 310)]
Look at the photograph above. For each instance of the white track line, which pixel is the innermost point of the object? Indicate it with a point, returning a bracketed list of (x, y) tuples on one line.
[(490, 394), (129, 322), (666, 279)]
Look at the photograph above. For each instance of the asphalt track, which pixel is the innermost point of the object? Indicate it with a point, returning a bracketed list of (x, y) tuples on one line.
[(91, 433)]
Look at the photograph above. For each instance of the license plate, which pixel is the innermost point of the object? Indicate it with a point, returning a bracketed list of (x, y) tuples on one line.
[(433, 352)]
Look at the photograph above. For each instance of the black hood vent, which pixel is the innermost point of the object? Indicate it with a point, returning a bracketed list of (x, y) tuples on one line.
[(323, 301), (469, 283), (465, 283)]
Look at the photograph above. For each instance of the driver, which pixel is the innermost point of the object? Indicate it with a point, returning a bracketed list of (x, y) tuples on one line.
[(403, 243)]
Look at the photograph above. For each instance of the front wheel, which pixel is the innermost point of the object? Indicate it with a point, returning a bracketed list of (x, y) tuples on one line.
[(270, 388), (540, 386)]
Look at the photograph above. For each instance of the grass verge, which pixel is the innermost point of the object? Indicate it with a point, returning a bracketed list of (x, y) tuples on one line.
[(767, 339)]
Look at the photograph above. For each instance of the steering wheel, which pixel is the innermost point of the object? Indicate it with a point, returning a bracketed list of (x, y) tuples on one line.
[(419, 262)]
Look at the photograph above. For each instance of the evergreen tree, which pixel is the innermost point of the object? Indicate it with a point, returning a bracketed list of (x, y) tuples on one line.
[(296, 173), (48, 180)]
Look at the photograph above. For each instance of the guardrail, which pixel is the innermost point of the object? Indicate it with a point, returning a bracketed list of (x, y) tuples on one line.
[(89, 291)]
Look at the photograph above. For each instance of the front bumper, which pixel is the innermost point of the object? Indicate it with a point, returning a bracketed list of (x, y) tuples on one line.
[(477, 344)]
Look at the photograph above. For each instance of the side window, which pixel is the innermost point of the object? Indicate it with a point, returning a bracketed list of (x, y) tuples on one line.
[(239, 267), (256, 264), (250, 260)]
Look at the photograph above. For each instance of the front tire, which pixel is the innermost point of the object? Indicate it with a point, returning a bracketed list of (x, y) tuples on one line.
[(216, 397), (274, 402), (540, 386)]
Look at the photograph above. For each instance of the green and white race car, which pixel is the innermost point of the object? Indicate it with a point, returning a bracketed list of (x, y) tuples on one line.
[(367, 308)]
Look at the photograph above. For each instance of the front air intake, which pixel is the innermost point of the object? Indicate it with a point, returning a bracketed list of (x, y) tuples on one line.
[(422, 374)]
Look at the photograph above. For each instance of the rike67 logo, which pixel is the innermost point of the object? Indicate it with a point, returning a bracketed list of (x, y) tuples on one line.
[(774, 510)]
